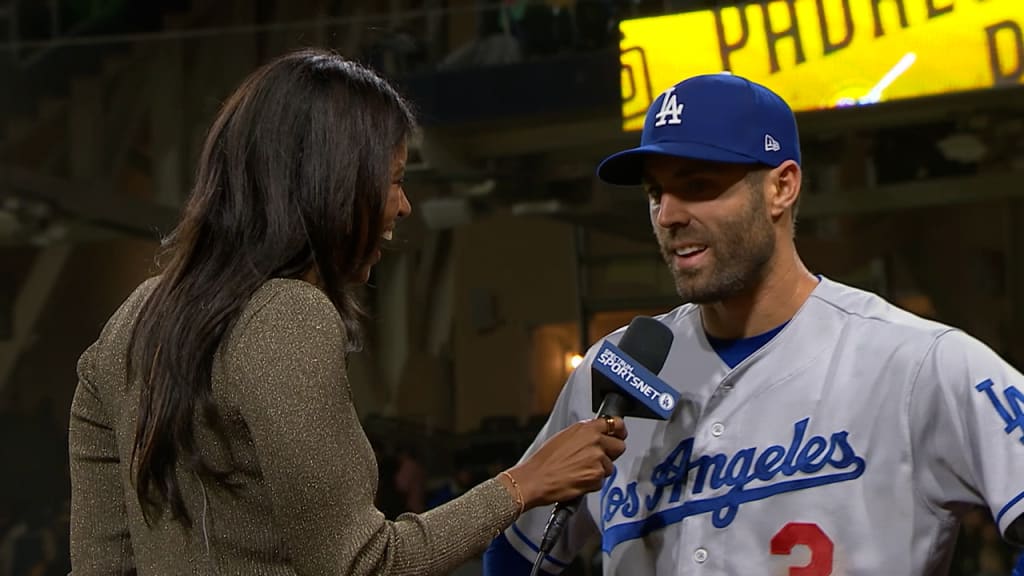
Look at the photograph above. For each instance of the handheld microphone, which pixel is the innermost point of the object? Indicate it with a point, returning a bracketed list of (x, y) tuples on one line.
[(624, 382)]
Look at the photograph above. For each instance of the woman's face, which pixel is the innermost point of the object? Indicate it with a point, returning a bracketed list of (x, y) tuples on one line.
[(395, 208)]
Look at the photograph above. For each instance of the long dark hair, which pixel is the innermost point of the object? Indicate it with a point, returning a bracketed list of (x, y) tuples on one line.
[(293, 178)]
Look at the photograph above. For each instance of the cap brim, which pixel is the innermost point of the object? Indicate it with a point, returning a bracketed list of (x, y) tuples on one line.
[(626, 168)]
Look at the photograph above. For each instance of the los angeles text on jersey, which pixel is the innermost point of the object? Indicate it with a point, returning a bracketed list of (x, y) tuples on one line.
[(750, 473)]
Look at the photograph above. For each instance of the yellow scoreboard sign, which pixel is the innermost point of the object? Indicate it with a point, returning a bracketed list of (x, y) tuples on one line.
[(820, 54)]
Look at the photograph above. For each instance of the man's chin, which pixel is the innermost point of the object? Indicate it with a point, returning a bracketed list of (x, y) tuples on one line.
[(697, 292), (691, 294), (699, 298)]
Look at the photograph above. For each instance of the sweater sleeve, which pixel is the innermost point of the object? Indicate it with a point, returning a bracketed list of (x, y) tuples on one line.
[(290, 385), (100, 541)]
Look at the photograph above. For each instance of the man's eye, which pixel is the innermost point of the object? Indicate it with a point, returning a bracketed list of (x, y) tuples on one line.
[(699, 186)]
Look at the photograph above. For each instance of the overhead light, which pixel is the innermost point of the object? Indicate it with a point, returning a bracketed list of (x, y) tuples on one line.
[(572, 361)]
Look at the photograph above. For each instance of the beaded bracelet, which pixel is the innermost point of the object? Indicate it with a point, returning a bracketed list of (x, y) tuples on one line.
[(519, 494)]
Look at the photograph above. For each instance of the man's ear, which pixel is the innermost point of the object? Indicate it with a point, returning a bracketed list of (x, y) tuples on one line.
[(783, 188)]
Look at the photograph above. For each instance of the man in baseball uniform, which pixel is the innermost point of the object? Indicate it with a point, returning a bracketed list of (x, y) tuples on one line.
[(821, 431)]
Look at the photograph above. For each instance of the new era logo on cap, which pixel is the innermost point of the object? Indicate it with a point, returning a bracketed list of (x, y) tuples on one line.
[(728, 119)]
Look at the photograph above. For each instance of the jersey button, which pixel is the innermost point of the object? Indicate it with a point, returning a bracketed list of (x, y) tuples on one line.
[(700, 555), (717, 429)]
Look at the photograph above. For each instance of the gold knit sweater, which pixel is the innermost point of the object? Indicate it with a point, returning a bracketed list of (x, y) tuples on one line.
[(305, 471)]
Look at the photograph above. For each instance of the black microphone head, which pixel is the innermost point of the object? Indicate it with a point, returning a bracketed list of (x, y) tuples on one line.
[(647, 341)]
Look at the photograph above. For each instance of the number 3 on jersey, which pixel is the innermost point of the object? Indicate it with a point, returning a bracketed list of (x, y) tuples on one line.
[(810, 535), (670, 111)]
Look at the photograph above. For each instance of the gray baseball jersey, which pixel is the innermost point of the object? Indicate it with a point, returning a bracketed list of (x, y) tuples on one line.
[(844, 446)]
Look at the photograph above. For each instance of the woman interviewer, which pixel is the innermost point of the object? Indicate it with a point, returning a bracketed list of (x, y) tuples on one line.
[(213, 430)]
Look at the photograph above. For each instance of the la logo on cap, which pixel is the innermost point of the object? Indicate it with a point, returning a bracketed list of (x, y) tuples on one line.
[(670, 111), (771, 144)]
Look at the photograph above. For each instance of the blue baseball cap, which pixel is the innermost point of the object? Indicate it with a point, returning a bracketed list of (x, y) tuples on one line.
[(714, 117)]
